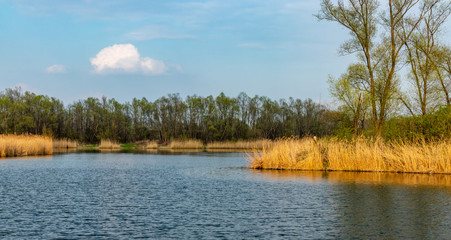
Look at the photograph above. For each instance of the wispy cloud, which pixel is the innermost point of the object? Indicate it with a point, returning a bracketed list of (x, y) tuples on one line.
[(87, 9), (155, 32), (257, 45), (55, 69), (125, 58)]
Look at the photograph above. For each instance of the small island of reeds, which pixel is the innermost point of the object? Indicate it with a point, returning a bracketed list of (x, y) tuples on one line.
[(360, 154)]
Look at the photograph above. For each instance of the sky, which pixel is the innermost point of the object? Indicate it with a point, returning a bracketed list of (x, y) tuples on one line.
[(123, 49)]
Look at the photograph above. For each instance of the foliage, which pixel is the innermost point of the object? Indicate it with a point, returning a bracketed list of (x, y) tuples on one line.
[(430, 127), (168, 118)]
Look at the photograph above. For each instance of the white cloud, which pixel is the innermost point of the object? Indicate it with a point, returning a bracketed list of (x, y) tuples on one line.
[(57, 68), (126, 58)]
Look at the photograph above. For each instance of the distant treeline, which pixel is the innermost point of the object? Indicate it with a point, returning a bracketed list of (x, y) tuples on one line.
[(170, 117)]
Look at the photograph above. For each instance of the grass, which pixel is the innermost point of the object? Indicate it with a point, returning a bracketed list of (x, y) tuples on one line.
[(90, 146), (255, 144), (364, 155), (64, 143), (25, 145), (109, 144), (128, 145)]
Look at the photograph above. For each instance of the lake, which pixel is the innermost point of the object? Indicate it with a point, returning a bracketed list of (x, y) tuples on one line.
[(212, 195)]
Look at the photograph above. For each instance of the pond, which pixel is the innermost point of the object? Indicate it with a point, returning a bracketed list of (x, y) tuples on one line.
[(212, 195)]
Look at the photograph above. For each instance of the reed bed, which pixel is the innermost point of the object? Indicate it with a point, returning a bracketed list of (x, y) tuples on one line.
[(255, 144), (151, 145), (64, 143), (25, 145), (109, 144), (358, 155), (146, 144), (186, 144)]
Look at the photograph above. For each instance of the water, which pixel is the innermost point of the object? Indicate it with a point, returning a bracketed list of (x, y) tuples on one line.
[(212, 195)]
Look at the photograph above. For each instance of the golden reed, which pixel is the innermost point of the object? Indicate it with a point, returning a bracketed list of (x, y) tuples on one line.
[(358, 155), (25, 145), (109, 144), (255, 144), (186, 144), (151, 145), (64, 143)]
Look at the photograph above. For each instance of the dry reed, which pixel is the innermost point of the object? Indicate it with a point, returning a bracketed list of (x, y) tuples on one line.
[(358, 155), (109, 144), (255, 144), (25, 145), (151, 145), (187, 144), (64, 143)]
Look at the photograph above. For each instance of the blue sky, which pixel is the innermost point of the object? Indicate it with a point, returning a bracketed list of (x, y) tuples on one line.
[(129, 48)]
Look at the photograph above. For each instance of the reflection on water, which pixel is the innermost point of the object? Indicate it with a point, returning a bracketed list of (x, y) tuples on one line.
[(37, 158), (145, 151), (361, 177), (382, 205), (393, 211)]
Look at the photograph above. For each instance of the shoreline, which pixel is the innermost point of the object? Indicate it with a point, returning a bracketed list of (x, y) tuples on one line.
[(350, 171), (293, 154), (190, 144)]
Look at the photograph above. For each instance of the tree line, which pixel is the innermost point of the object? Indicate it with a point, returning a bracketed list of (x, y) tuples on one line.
[(169, 117)]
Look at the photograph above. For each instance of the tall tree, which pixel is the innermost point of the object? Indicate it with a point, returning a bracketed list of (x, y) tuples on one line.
[(423, 56), (379, 55)]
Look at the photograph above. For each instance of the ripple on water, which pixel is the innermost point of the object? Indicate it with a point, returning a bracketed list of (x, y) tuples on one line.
[(122, 196)]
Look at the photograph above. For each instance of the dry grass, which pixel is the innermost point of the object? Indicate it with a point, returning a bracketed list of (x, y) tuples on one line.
[(108, 144), (25, 145), (151, 145), (288, 154), (64, 143), (255, 144), (187, 144), (359, 155)]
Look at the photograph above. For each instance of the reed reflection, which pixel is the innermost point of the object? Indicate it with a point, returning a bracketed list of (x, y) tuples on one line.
[(443, 180), (382, 205)]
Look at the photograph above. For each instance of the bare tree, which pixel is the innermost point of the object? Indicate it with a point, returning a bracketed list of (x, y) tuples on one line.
[(426, 59), (380, 55)]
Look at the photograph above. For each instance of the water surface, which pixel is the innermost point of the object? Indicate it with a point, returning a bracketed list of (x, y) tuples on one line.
[(212, 195)]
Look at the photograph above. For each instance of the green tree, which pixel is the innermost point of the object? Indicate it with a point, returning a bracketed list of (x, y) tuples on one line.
[(381, 55)]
